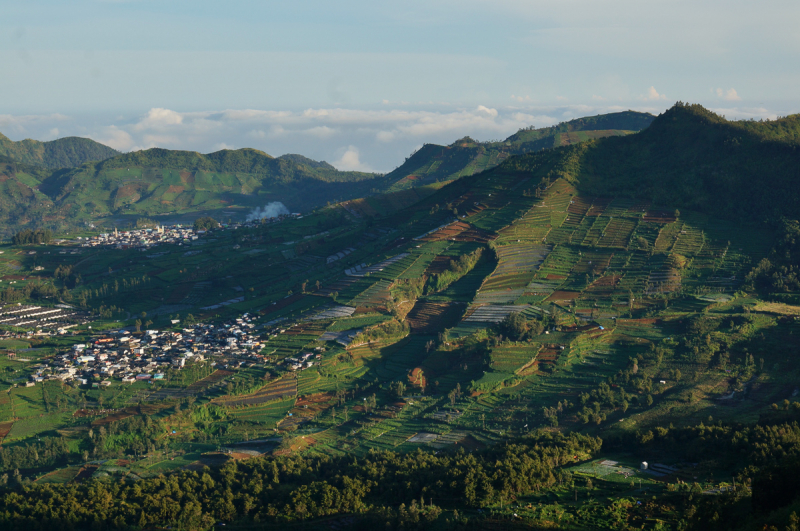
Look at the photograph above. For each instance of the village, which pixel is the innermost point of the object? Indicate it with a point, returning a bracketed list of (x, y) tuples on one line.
[(177, 234), (126, 357)]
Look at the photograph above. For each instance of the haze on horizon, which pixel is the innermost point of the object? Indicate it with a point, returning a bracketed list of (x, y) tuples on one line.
[(361, 84)]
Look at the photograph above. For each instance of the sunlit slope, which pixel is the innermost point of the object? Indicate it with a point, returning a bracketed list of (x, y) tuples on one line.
[(466, 156), (62, 153)]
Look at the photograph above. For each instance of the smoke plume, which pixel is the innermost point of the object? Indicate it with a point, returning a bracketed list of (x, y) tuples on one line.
[(270, 210)]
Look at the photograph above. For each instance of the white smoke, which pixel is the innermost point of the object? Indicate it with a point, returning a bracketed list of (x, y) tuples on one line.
[(270, 210)]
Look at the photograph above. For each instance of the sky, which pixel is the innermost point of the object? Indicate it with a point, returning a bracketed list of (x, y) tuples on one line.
[(362, 84)]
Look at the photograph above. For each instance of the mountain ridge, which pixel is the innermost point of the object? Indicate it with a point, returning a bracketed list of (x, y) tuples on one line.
[(64, 152)]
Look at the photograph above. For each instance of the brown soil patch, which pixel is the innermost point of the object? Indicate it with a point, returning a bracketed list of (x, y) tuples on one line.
[(599, 206), (86, 472), (312, 400), (552, 276), (174, 189), (470, 443), (439, 265), (239, 456), (639, 321), (119, 415), (187, 177), (417, 377), (659, 216), (563, 296), (5, 429), (430, 317)]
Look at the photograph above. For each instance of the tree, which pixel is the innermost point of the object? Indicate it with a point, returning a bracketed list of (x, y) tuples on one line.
[(205, 223)]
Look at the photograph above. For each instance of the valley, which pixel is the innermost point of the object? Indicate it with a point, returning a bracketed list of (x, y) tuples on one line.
[(533, 328)]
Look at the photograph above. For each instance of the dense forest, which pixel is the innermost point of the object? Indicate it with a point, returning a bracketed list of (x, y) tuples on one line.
[(66, 152), (411, 490)]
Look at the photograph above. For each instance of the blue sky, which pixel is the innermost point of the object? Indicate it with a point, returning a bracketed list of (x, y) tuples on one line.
[(362, 84)]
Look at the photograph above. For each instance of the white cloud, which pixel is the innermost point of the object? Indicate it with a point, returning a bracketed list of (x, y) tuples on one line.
[(595, 97), (116, 138), (385, 136), (322, 131), (486, 110), (728, 95), (653, 95), (158, 118), (350, 161), (25, 124), (745, 113), (520, 99)]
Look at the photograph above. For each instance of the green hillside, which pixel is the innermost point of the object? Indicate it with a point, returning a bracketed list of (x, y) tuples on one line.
[(504, 351), (466, 156), (178, 183), (67, 152), (690, 158)]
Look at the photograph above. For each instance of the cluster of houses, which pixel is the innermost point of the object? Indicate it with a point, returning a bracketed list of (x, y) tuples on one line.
[(142, 238), (303, 361), (145, 356)]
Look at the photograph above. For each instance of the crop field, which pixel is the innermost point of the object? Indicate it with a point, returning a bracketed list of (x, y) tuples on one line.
[(376, 295), (359, 321), (430, 317), (491, 313), (289, 343), (516, 360), (60, 476), (282, 388), (267, 414), (419, 266), (516, 267)]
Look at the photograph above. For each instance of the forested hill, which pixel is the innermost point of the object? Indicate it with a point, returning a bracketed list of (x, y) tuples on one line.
[(161, 181), (693, 158), (65, 152), (466, 156)]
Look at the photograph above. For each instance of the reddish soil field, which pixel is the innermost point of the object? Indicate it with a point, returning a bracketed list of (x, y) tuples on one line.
[(5, 429), (119, 415), (599, 206), (417, 377), (281, 388), (659, 216), (439, 265), (470, 443), (429, 317), (552, 276), (86, 472), (563, 296)]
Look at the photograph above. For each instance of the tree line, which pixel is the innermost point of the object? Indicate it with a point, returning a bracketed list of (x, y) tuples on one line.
[(28, 236)]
